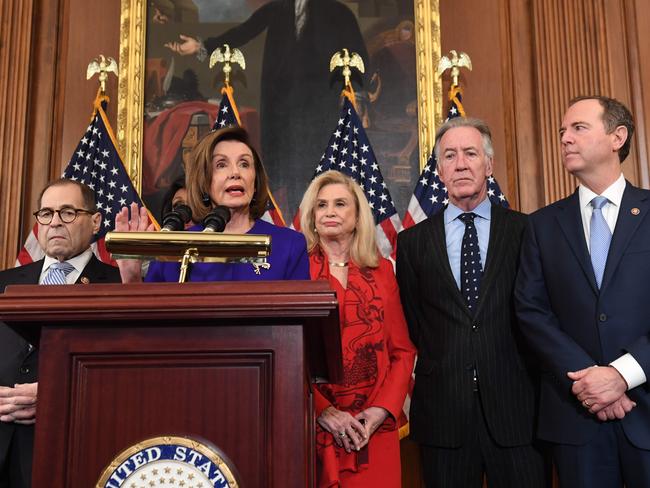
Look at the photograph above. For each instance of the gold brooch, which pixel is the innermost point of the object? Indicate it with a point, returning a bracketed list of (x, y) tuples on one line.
[(257, 266)]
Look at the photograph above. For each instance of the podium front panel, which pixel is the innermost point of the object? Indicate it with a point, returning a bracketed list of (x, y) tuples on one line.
[(226, 363), (241, 387)]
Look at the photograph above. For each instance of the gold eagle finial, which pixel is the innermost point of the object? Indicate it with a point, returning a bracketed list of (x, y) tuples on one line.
[(347, 60), (227, 56), (103, 66), (454, 62)]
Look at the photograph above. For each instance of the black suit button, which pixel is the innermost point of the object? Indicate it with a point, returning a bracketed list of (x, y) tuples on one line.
[(24, 369), (475, 328), (602, 317)]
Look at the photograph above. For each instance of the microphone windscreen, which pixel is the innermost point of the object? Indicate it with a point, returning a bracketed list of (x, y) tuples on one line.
[(184, 212), (177, 218), (217, 219)]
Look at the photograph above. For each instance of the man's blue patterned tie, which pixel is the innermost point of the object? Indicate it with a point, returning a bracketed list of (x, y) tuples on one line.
[(57, 273), (599, 238)]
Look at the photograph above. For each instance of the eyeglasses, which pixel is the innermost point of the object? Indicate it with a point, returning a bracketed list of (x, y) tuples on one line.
[(67, 215)]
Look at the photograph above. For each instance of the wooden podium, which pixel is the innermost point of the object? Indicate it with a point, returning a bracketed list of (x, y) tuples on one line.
[(230, 363)]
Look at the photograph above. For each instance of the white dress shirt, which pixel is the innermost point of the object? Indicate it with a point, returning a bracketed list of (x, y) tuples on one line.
[(626, 365), (79, 262)]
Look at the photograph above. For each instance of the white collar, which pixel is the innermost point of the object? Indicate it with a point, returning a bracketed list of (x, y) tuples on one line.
[(79, 261), (613, 193)]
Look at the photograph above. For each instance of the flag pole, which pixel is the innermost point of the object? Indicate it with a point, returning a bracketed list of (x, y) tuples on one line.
[(347, 60), (228, 114)]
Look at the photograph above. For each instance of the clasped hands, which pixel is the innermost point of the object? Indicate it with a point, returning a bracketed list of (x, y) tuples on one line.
[(601, 390), (352, 433), (18, 403)]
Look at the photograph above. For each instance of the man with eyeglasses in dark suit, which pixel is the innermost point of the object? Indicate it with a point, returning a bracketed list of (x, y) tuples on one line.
[(67, 221)]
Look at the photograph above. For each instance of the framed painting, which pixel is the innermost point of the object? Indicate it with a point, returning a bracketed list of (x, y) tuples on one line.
[(287, 98)]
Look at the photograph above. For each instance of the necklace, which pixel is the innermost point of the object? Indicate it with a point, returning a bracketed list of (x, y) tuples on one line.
[(339, 265)]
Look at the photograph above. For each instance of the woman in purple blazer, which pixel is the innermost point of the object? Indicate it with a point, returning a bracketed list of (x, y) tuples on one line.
[(225, 170)]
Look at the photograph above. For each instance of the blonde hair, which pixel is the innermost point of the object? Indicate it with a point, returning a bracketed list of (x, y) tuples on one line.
[(363, 250), (199, 173)]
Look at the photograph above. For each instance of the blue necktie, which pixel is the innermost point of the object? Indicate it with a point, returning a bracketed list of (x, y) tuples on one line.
[(57, 273), (599, 238), (470, 262)]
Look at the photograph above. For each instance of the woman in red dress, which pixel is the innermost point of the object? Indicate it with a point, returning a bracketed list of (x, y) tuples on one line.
[(357, 436)]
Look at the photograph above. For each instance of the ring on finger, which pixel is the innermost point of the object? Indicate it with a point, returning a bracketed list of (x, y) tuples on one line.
[(586, 403), (342, 434)]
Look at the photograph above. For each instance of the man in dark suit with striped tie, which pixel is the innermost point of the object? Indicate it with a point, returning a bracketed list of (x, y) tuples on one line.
[(67, 220), (583, 304), (473, 405)]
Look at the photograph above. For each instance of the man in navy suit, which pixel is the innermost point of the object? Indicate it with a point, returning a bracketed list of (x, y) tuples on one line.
[(584, 306), (67, 220)]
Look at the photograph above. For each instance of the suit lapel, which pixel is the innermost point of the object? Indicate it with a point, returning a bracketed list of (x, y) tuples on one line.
[(90, 270), (499, 230), (626, 225), (30, 273), (93, 272), (441, 259), (570, 222)]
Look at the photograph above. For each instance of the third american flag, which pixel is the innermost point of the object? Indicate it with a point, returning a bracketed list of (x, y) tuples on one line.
[(349, 152)]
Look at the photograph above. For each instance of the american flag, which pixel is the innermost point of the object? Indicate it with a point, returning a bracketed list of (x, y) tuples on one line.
[(349, 152), (228, 116), (430, 194), (96, 163)]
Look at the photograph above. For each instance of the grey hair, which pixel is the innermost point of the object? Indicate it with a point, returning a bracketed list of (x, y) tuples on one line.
[(472, 122)]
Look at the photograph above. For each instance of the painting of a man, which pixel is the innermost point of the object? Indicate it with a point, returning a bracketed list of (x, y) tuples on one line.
[(287, 92)]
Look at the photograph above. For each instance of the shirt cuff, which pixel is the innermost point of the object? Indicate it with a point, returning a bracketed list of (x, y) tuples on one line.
[(630, 370)]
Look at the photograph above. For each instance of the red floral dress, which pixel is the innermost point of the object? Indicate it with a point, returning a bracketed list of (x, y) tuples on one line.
[(377, 364)]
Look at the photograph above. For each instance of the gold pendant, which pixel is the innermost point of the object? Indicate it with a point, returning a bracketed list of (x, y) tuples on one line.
[(257, 266)]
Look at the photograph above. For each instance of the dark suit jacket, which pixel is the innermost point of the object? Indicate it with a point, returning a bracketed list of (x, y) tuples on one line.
[(572, 325), (450, 340), (18, 359)]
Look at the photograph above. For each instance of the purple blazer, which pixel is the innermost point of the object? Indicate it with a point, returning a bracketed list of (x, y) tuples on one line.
[(288, 260)]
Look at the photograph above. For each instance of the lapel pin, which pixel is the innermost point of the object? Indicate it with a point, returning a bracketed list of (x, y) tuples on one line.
[(84, 280), (635, 211)]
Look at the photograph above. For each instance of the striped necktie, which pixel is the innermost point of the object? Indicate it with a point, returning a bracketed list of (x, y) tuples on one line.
[(57, 273), (599, 238)]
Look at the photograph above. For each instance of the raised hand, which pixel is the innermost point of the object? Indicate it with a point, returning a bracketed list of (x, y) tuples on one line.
[(130, 269)]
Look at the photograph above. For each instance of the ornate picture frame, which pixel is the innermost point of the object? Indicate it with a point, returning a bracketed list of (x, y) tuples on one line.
[(131, 86)]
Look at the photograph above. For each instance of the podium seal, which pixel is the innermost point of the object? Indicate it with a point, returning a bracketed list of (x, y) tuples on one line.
[(170, 461)]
